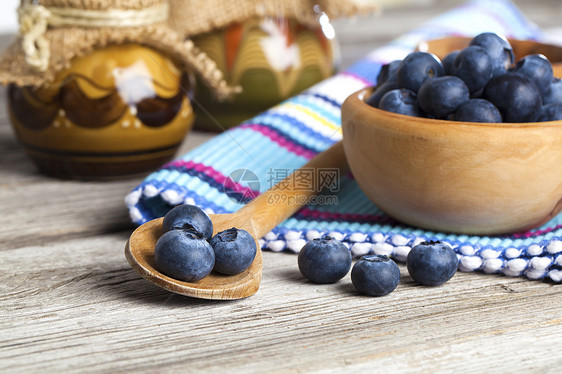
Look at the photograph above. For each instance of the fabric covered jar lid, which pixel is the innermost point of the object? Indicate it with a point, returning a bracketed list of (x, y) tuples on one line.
[(53, 32), (191, 17)]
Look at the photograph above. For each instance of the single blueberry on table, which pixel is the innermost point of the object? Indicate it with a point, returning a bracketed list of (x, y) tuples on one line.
[(550, 112), (375, 98), (538, 68), (324, 260), (418, 67), (441, 96), (498, 48), (475, 67), (184, 255), (553, 94), (432, 263), (235, 250), (185, 217), (375, 275), (478, 110), (516, 96), (389, 72), (401, 101)]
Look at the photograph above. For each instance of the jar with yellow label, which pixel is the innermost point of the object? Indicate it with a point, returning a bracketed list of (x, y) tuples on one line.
[(102, 88)]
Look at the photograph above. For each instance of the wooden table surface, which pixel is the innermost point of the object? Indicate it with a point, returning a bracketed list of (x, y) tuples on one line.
[(69, 302)]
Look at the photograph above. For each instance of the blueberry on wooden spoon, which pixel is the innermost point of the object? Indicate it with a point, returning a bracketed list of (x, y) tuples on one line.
[(235, 250)]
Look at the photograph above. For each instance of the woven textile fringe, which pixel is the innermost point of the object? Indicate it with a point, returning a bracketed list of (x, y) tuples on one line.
[(284, 137)]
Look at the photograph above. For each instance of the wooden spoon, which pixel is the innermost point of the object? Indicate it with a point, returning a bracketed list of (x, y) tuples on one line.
[(258, 218)]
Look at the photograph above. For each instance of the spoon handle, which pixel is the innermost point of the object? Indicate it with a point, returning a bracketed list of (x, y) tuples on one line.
[(282, 200)]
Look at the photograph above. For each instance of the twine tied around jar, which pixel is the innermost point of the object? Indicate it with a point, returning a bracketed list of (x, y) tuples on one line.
[(34, 19)]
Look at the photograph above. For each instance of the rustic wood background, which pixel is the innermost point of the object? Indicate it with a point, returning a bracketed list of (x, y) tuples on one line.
[(69, 302)]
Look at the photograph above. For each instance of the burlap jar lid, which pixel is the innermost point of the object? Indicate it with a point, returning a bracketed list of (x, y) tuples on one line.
[(191, 17), (53, 32)]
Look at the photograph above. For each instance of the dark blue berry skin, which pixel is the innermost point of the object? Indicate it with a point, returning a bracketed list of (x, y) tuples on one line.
[(553, 94), (538, 68), (475, 67), (418, 67), (389, 72), (441, 96), (379, 92), (375, 275), (185, 217), (432, 263), (400, 101), (478, 110), (324, 260), (448, 62), (235, 250), (516, 96), (550, 112), (498, 48), (184, 255)]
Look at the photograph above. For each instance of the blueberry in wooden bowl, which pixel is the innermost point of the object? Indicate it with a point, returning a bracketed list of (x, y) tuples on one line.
[(461, 176)]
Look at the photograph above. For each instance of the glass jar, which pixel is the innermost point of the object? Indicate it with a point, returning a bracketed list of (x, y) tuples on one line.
[(271, 58)]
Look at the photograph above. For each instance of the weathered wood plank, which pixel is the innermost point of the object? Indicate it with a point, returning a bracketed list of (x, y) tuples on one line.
[(77, 306)]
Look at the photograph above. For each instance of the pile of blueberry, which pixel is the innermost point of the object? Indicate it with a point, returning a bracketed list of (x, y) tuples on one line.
[(187, 250), (480, 83), (326, 260)]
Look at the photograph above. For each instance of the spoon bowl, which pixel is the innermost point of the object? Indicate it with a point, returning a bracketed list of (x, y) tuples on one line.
[(258, 218), (140, 255)]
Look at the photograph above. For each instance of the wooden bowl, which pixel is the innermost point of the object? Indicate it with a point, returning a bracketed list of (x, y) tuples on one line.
[(460, 177)]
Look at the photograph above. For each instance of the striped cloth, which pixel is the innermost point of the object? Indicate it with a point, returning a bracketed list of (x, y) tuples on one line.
[(234, 166)]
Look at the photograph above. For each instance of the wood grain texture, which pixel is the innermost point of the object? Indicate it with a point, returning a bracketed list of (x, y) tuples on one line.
[(69, 301), (91, 312), (474, 170)]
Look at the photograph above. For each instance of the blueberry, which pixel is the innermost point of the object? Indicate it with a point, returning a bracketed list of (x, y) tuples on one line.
[(550, 112), (418, 67), (448, 62), (475, 67), (235, 250), (442, 96), (324, 260), (538, 68), (432, 263), (553, 94), (400, 101), (379, 92), (498, 48), (375, 275), (478, 110), (184, 255), (389, 72), (188, 217), (516, 96)]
